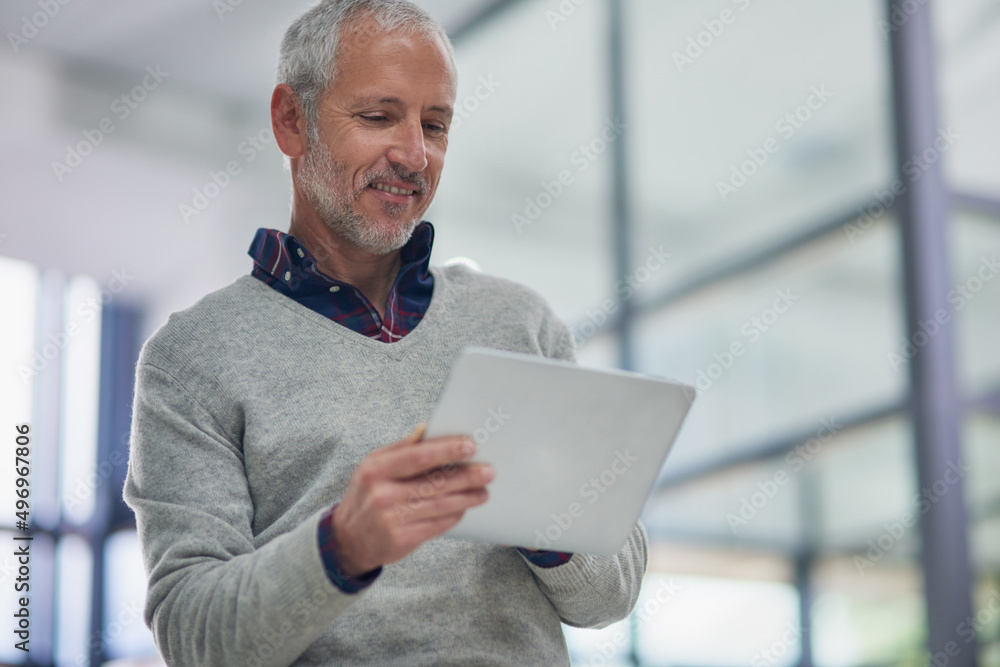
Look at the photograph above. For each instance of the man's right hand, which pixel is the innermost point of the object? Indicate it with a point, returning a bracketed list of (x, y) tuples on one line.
[(403, 495)]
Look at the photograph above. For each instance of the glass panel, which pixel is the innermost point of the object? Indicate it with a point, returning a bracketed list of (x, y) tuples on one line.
[(125, 631), (75, 573), (865, 485), (975, 299), (755, 505), (875, 620), (608, 646), (18, 294), (43, 595), (777, 350), (844, 491), (48, 384), (760, 621), (80, 397), (969, 60), (982, 457), (525, 191), (756, 119)]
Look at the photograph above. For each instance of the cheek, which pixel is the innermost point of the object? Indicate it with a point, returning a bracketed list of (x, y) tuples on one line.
[(435, 164)]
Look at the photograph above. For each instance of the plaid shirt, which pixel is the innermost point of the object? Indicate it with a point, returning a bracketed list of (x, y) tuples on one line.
[(287, 266)]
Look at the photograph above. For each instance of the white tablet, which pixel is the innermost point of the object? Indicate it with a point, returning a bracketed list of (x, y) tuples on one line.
[(576, 450)]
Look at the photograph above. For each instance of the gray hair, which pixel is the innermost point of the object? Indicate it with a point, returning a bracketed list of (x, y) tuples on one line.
[(311, 46)]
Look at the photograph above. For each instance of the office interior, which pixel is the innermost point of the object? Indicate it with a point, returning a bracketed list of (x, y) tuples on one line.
[(793, 205)]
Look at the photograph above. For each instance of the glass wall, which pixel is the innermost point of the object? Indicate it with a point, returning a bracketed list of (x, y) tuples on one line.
[(763, 264), (766, 269)]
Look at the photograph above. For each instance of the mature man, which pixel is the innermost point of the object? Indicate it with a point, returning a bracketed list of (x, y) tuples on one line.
[(276, 525)]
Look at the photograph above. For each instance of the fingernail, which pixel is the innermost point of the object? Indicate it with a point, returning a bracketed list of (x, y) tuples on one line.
[(488, 474)]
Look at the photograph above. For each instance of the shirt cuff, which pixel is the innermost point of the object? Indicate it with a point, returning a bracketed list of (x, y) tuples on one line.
[(328, 551), (546, 558)]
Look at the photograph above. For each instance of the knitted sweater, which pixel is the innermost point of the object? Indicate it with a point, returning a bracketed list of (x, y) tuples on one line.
[(252, 411)]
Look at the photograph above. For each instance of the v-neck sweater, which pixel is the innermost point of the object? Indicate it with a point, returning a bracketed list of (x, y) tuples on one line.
[(251, 412)]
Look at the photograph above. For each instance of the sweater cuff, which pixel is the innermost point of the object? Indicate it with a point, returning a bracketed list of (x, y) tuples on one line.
[(546, 559), (328, 551)]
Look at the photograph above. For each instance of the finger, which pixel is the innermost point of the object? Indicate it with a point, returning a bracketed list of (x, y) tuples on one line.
[(450, 479), (402, 463), (409, 537), (417, 511)]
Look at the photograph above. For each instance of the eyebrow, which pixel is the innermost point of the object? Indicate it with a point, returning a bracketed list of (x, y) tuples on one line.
[(368, 101)]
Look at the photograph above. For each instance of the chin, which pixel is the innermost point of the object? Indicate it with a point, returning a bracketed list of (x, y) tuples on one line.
[(378, 237)]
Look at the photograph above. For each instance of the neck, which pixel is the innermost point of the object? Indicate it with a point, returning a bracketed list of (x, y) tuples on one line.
[(338, 258)]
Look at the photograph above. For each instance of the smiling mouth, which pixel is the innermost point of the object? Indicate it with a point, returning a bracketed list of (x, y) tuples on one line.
[(391, 189)]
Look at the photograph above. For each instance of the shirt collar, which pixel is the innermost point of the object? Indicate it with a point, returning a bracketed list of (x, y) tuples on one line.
[(284, 263)]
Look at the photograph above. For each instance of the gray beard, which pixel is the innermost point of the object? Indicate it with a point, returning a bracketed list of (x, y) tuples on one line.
[(320, 170)]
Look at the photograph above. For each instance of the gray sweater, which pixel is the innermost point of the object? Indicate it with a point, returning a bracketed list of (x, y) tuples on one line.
[(251, 412)]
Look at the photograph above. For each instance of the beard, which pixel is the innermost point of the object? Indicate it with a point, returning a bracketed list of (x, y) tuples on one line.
[(326, 184)]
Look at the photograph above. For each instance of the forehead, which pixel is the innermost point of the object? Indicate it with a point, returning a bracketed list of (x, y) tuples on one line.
[(372, 62)]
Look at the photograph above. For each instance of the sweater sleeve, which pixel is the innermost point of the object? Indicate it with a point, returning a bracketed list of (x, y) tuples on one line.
[(215, 599), (595, 591), (589, 591)]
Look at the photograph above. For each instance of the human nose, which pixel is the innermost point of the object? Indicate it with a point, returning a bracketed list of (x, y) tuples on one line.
[(408, 148)]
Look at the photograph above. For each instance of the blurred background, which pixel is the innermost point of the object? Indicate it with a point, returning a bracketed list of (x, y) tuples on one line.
[(745, 195)]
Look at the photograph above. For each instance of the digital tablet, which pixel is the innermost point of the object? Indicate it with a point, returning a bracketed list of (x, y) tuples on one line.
[(576, 450)]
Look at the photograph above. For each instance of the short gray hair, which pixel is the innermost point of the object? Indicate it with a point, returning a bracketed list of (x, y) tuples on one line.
[(311, 46)]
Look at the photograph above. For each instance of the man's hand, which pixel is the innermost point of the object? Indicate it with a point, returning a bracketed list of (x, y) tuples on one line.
[(403, 495)]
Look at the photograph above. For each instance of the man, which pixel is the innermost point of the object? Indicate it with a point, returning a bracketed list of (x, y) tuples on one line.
[(277, 526)]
